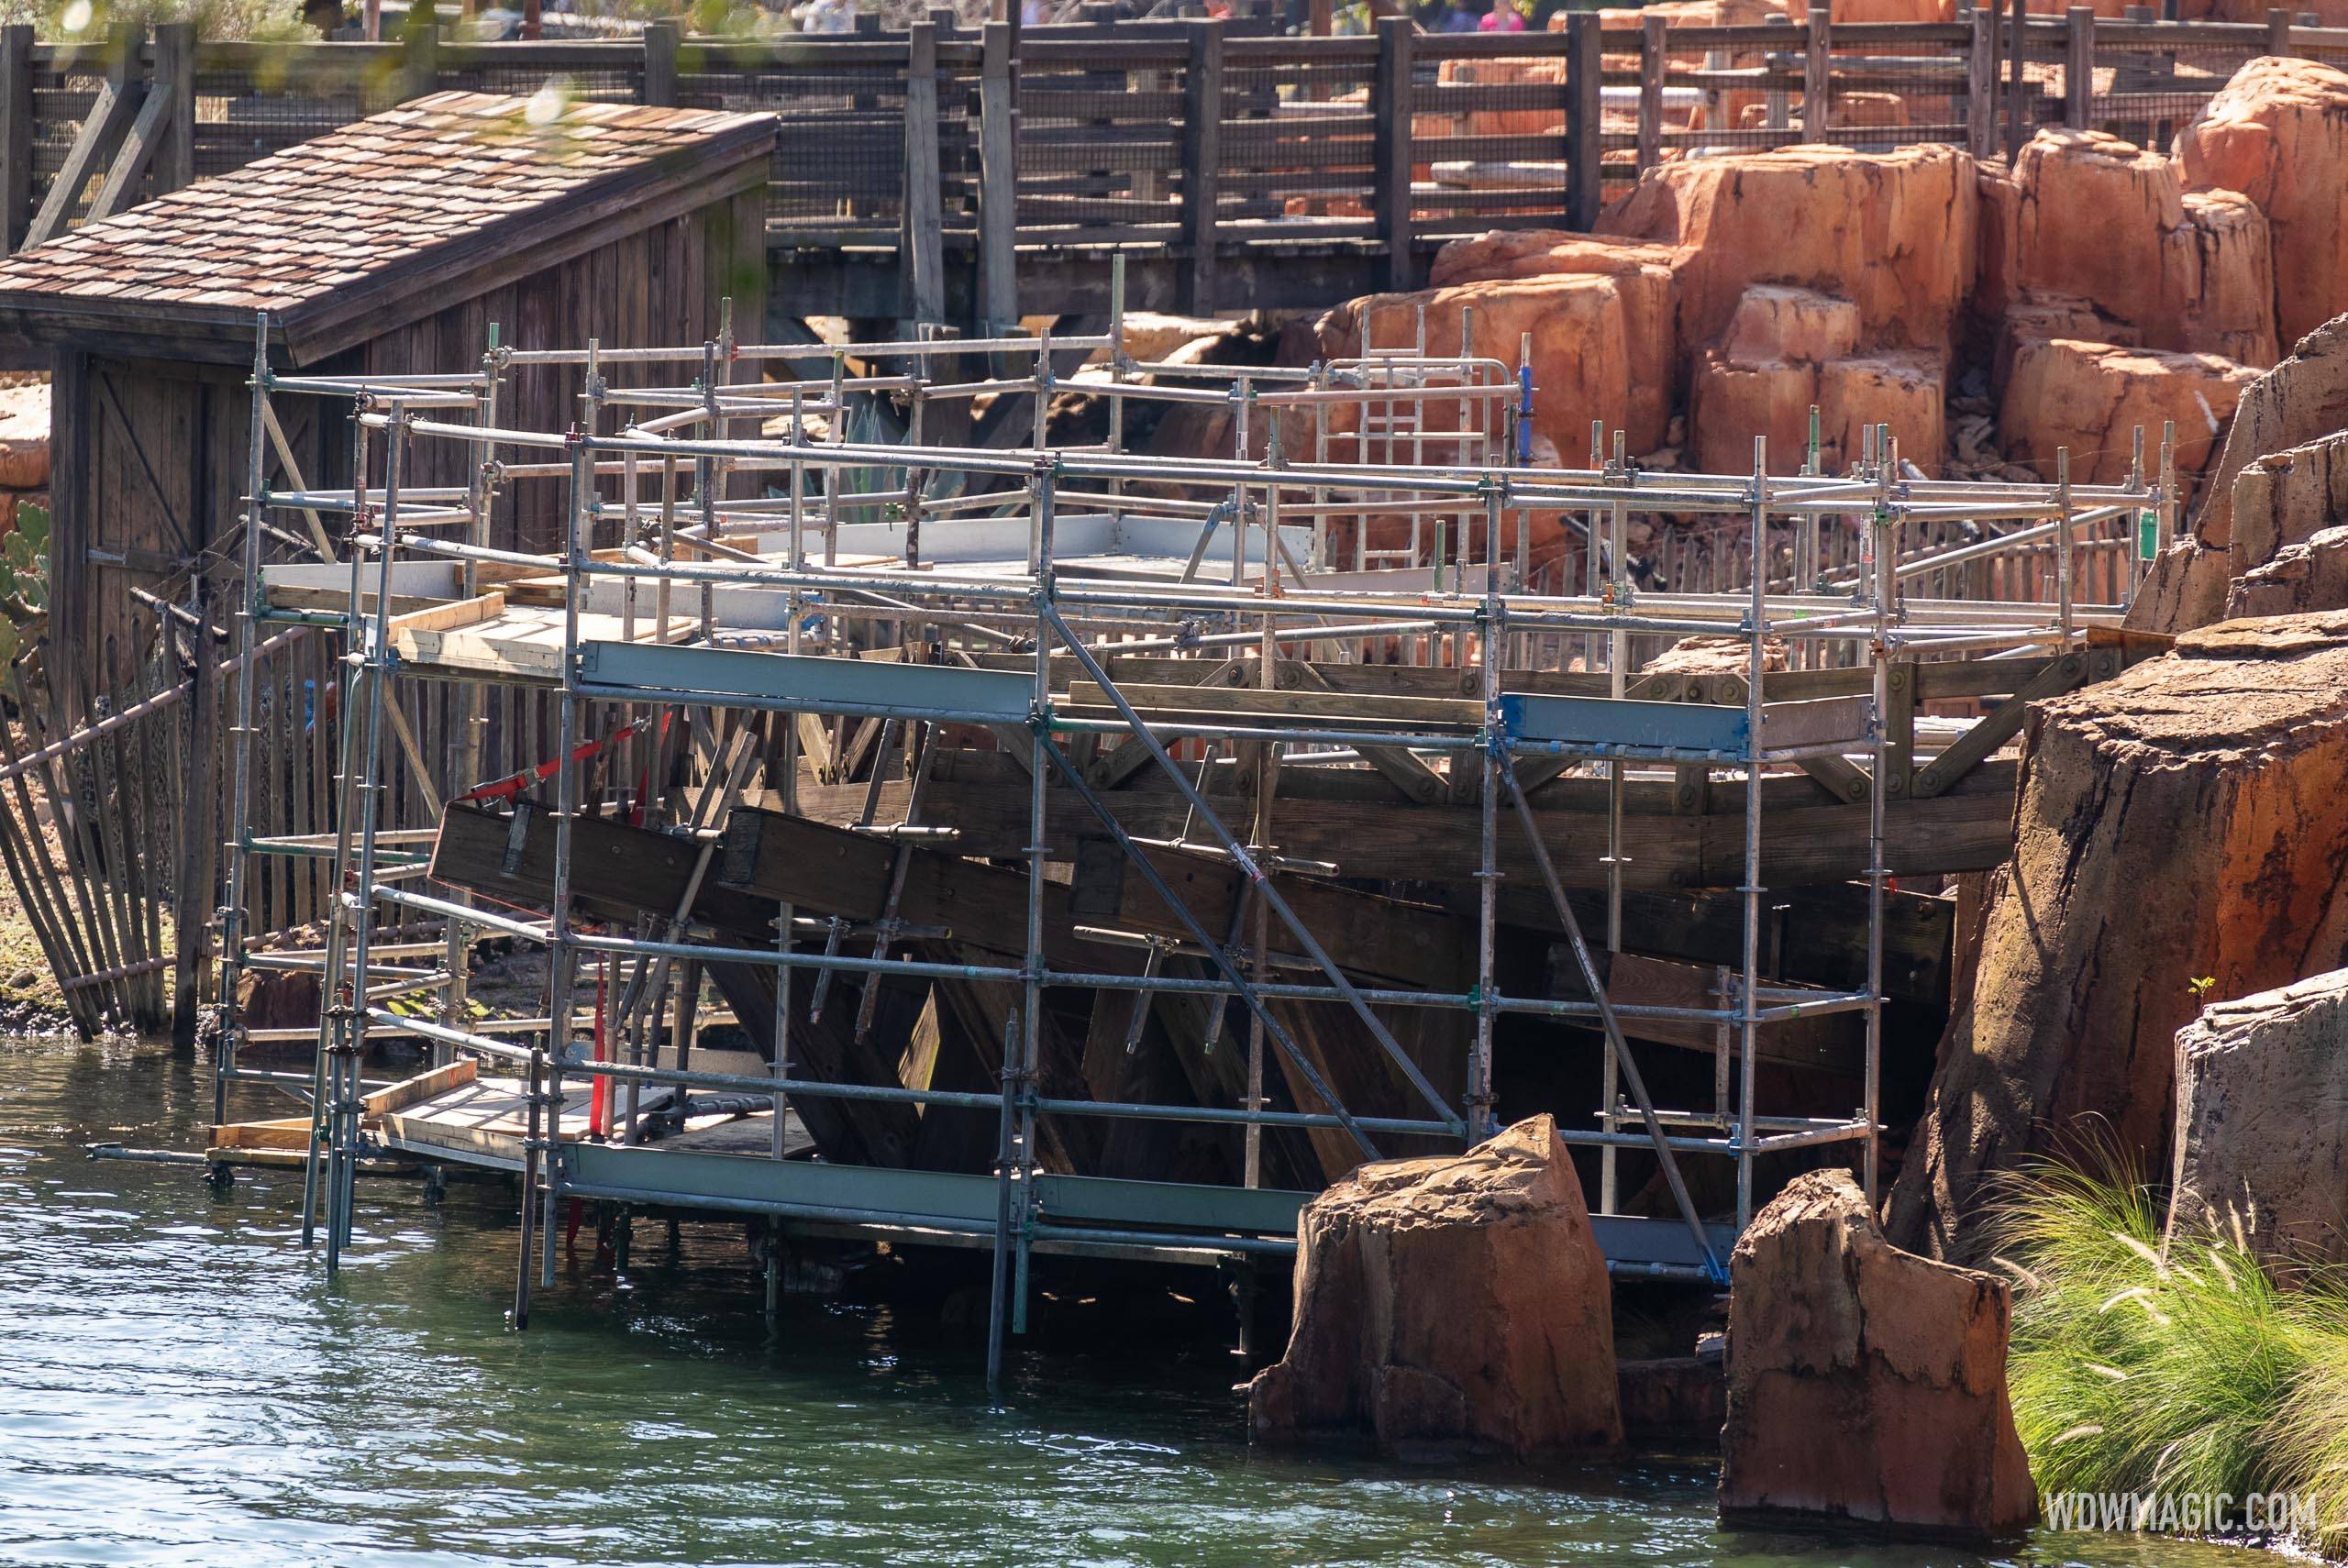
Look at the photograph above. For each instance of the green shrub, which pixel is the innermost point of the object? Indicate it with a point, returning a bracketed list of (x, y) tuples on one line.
[(2142, 1366)]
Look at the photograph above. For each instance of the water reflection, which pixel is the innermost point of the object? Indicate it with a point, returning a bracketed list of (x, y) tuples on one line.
[(179, 1385)]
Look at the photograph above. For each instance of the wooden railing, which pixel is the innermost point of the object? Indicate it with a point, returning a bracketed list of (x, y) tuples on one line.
[(1186, 140)]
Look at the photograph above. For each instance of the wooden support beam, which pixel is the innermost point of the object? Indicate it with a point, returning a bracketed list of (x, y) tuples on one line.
[(1390, 113), (1398, 765), (108, 121), (1817, 71), (620, 872), (1202, 163), (1653, 57), (1981, 84), (660, 88), (777, 858), (174, 164), (1830, 1043), (997, 183), (16, 135), (1825, 941), (921, 239), (1584, 172), (1966, 829), (2078, 67), (1976, 744), (120, 187)]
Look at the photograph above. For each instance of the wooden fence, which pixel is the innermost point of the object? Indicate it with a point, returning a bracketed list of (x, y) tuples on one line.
[(1187, 139)]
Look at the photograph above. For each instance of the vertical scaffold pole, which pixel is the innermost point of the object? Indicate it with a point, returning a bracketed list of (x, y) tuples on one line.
[(232, 911), (1496, 759), (1748, 1023), (563, 957), (346, 813), (471, 696), (1887, 556)]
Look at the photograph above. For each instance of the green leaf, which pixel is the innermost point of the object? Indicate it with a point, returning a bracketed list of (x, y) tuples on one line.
[(32, 522), (21, 554)]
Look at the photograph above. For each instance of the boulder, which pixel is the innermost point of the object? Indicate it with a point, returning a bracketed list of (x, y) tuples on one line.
[(2262, 1123), (1596, 352), (1716, 656), (2303, 399), (1864, 1383), (1892, 232), (1787, 350), (2222, 269), (2093, 397), (2208, 778), (2040, 318), (1905, 388), (1454, 1301), (1734, 400), (2186, 273), (2115, 262), (2309, 576), (1773, 322), (1538, 252), (2269, 562), (2277, 133), (1151, 336), (2285, 498)]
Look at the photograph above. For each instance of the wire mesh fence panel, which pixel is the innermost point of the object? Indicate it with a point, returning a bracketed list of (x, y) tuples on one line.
[(63, 94), (1730, 89), (2039, 98), (1299, 142), (249, 109), (1627, 100), (2148, 88), (1101, 138), (1491, 139), (621, 81), (957, 149), (839, 161), (1887, 87)]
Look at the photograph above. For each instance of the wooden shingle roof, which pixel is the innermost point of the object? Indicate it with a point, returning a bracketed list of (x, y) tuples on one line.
[(332, 237)]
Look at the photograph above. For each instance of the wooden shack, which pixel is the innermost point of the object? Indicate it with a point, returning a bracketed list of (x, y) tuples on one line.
[(392, 244)]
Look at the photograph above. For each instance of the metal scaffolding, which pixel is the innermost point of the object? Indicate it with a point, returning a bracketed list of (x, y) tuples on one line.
[(731, 546)]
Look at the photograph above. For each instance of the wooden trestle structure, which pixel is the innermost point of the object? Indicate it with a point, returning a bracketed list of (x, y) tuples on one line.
[(1099, 860)]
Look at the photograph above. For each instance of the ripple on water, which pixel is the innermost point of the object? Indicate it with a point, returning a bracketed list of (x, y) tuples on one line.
[(182, 1387)]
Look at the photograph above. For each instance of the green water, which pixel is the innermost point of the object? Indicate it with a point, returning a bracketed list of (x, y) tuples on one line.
[(179, 1385)]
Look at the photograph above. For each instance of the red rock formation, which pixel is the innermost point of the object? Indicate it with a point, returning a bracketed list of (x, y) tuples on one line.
[(1906, 390), (1457, 1300), (1597, 353), (1773, 322), (2187, 272), (1787, 350), (2278, 443), (2262, 1124), (2309, 576), (2182, 821), (1891, 232), (2093, 397), (2303, 399), (1864, 1383), (2278, 132)]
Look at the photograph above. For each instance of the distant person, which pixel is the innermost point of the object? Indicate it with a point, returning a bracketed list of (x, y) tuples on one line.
[(1503, 17), (1458, 19)]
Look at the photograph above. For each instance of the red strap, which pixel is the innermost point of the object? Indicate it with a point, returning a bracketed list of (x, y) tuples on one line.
[(506, 789)]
